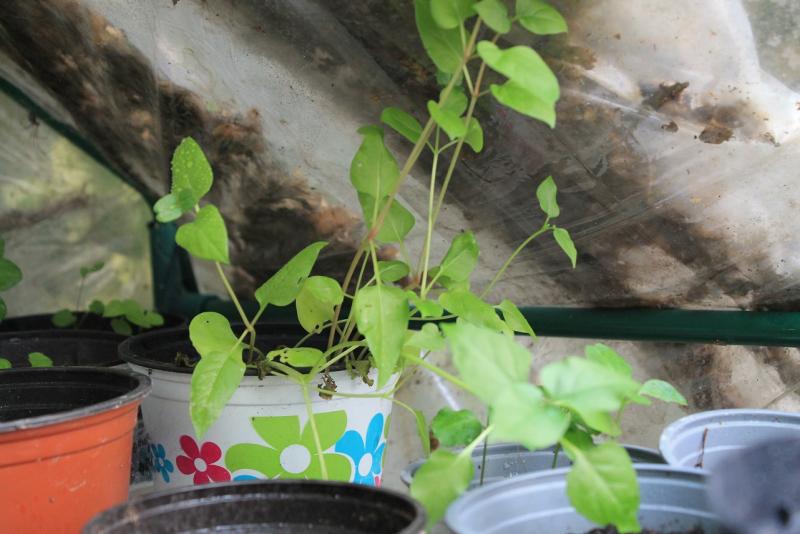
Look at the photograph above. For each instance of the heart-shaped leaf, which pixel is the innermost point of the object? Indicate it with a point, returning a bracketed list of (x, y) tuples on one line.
[(442, 45), (282, 287), (206, 237), (382, 318), (450, 14), (316, 301), (455, 428), (63, 319), (453, 125), (540, 18), (514, 318), (402, 123), (212, 332), (214, 380), (494, 14), (521, 414), (10, 274), (373, 170), (190, 172), (546, 193)]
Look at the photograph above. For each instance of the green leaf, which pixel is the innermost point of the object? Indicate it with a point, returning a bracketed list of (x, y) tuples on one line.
[(316, 301), (190, 172), (578, 438), (10, 274), (459, 261), (532, 88), (608, 358), (442, 45), (214, 380), (37, 359), (402, 123), (455, 428), (397, 224), (114, 308), (494, 14), (426, 338), (422, 431), (211, 332), (440, 481), (456, 102), (3, 309), (297, 357), (135, 314), (588, 388), (392, 271), (450, 14), (168, 208), (658, 389), (5, 364), (121, 326), (546, 193), (89, 269), (206, 237), (426, 307), (453, 125), (512, 95), (63, 319), (474, 137), (282, 287), (540, 18), (565, 242), (521, 414), (487, 361), (373, 170), (472, 309), (382, 318), (514, 318), (602, 486), (96, 307), (153, 319)]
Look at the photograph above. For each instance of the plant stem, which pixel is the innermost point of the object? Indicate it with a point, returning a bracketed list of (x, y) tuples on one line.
[(232, 295), (545, 227), (483, 456), (440, 372), (555, 456), (426, 250), (309, 408), (80, 294), (467, 451)]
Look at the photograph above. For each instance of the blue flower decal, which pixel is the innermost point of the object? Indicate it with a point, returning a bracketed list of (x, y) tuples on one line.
[(367, 454), (160, 462)]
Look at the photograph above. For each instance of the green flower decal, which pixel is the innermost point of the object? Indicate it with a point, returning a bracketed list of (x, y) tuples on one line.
[(291, 453)]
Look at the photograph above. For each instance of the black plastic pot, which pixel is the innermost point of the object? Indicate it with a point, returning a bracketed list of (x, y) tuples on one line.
[(159, 349), (90, 322), (280, 506), (64, 347), (506, 460), (65, 444)]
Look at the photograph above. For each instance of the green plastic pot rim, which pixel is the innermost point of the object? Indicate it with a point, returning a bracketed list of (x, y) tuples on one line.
[(135, 395)]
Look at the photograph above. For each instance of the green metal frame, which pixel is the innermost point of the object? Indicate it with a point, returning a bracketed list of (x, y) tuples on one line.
[(175, 289)]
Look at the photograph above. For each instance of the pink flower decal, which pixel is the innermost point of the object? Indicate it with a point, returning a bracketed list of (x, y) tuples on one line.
[(377, 481), (200, 461)]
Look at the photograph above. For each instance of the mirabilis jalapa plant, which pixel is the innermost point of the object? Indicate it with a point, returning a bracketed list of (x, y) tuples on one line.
[(574, 400)]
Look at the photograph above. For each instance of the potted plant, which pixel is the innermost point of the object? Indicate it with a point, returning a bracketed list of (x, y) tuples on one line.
[(65, 444), (88, 337), (261, 409), (286, 506)]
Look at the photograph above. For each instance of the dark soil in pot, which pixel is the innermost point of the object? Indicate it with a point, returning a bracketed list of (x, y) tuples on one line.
[(285, 506), (171, 349), (64, 347), (86, 321)]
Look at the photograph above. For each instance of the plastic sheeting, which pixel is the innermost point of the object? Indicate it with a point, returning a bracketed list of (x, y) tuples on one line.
[(676, 151)]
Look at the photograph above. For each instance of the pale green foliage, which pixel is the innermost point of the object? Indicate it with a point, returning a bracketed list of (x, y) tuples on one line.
[(38, 359), (440, 480), (282, 288), (318, 297), (455, 428), (381, 314)]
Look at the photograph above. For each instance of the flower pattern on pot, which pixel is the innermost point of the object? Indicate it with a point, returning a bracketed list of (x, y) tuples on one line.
[(367, 454), (200, 461), (290, 451), (160, 463)]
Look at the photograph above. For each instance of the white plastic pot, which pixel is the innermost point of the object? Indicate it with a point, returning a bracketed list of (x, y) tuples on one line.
[(264, 431)]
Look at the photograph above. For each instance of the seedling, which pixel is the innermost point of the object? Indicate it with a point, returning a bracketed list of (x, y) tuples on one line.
[(36, 359), (10, 275), (573, 401), (123, 314)]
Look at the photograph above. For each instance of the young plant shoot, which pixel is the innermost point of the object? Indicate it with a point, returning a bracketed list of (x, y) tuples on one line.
[(573, 401), (123, 314)]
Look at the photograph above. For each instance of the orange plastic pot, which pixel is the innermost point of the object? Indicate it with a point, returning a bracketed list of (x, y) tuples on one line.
[(65, 445)]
